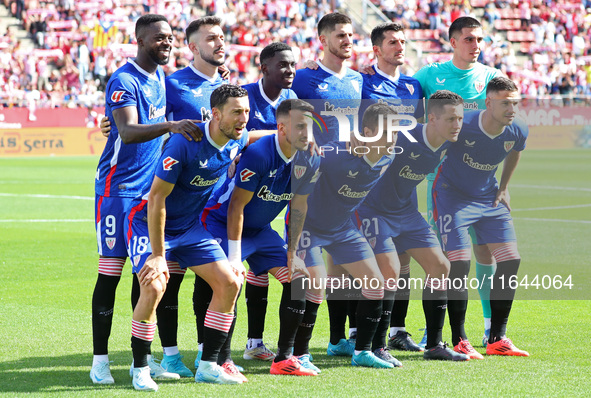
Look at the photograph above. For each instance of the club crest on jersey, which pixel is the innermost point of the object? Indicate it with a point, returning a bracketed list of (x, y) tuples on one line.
[(301, 254), (298, 171), (323, 87), (110, 242), (479, 86), (136, 260), (197, 93), (509, 145), (355, 85), (168, 163), (439, 81), (233, 152), (470, 143), (411, 88), (246, 174), (117, 95), (372, 242)]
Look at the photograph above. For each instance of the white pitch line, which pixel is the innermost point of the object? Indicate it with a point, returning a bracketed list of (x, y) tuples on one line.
[(29, 195), (44, 221), (553, 220), (554, 207), (550, 187)]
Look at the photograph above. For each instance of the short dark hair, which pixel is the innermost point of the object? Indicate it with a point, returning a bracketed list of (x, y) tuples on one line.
[(196, 24), (500, 83), (220, 95), (270, 50), (377, 34), (292, 104), (461, 23), (328, 22), (372, 114), (440, 98), (146, 20)]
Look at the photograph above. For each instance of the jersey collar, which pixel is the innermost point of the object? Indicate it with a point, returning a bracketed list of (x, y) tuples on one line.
[(393, 79), (324, 68), (202, 75), (427, 144), (279, 151), (272, 103), (210, 140), (492, 137), (153, 76)]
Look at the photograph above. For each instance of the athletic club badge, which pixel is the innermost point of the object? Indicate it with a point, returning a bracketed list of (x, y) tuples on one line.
[(411, 88), (479, 86), (110, 242), (298, 171), (372, 242), (301, 254), (509, 145)]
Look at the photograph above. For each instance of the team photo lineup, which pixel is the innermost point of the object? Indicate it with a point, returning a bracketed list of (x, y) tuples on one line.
[(195, 169)]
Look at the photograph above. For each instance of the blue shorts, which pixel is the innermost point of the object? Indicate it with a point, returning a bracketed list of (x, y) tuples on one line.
[(454, 214), (388, 233), (346, 245), (263, 249), (194, 246), (109, 215)]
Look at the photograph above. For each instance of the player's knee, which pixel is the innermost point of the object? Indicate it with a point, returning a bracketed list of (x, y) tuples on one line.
[(441, 268)]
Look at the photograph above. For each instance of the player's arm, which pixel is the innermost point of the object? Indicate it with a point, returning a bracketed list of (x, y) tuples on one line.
[(131, 132), (156, 263), (235, 220), (509, 167), (298, 208), (255, 135)]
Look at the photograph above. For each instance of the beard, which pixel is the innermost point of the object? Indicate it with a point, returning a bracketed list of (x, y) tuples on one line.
[(336, 52), (156, 58), (210, 59)]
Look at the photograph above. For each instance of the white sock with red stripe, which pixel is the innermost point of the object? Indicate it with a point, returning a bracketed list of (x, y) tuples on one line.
[(111, 266)]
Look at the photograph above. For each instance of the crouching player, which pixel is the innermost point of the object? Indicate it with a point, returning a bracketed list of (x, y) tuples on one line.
[(271, 172), (166, 226)]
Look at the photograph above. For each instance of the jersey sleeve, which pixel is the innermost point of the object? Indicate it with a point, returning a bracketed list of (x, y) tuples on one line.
[(421, 76), (310, 177), (171, 87), (523, 131), (250, 170), (173, 158), (122, 92)]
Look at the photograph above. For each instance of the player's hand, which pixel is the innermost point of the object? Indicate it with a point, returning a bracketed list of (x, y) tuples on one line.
[(154, 267), (367, 70), (233, 165), (238, 269), (295, 264), (224, 72), (354, 143), (310, 64), (188, 128), (105, 126), (504, 198)]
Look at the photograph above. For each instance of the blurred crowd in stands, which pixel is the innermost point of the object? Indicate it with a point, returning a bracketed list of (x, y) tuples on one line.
[(544, 45)]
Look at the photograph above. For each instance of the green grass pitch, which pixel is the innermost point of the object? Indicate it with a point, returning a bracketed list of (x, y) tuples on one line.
[(48, 268)]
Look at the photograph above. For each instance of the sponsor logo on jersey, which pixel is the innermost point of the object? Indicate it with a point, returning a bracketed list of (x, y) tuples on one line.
[(272, 173), (154, 112), (440, 81), (413, 156), (323, 87), (407, 173), (479, 86), (301, 254), (355, 85), (478, 166), (266, 195), (509, 145), (203, 164), (298, 171), (246, 174), (197, 93), (470, 143), (233, 152), (205, 114), (377, 88), (117, 95), (352, 175), (110, 242), (199, 181), (348, 193), (259, 115), (168, 163), (411, 88)]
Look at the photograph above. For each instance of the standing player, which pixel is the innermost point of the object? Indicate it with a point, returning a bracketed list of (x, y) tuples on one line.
[(332, 87), (273, 171), (466, 193), (467, 77), (181, 187), (278, 69), (136, 103), (391, 222)]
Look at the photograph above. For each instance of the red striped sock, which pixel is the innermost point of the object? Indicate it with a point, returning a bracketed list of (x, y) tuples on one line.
[(111, 266), (219, 320), (143, 330)]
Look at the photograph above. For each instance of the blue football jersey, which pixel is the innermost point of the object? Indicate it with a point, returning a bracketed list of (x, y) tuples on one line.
[(188, 94), (344, 182), (403, 93), (274, 179), (194, 168), (471, 162), (327, 91), (124, 169), (262, 109), (395, 192)]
